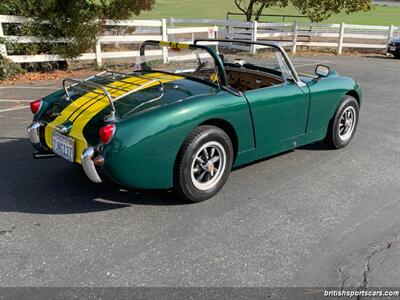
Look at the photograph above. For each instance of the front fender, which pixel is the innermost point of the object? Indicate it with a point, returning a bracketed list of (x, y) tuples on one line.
[(326, 95)]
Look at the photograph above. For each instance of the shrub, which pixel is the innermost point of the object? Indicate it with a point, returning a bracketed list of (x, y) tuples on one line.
[(77, 21), (8, 68)]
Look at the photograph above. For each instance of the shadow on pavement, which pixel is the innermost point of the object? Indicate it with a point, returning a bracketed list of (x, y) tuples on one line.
[(317, 146), (55, 186)]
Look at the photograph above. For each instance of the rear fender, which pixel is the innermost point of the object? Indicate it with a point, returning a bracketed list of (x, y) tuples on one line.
[(143, 151)]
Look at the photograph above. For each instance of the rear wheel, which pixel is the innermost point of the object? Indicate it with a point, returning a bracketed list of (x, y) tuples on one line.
[(344, 124), (203, 164), (397, 55)]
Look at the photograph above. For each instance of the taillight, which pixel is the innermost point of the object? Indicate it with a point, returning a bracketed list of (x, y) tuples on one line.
[(106, 133), (36, 105)]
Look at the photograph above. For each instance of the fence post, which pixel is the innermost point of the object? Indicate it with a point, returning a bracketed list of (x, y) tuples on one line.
[(254, 37), (341, 36), (164, 37), (98, 52), (228, 30), (3, 49), (390, 35), (171, 22), (295, 32), (216, 29)]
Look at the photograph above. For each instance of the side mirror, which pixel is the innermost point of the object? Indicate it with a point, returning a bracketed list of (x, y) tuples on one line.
[(322, 71)]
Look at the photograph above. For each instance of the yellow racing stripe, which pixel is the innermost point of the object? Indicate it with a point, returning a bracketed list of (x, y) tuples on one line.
[(174, 45), (83, 109)]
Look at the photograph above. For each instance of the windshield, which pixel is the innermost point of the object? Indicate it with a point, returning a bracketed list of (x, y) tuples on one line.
[(182, 59), (240, 65), (249, 56)]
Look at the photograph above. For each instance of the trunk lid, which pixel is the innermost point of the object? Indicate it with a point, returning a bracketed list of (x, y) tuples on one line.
[(84, 115)]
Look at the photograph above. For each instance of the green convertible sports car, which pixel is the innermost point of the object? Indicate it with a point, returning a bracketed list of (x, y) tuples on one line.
[(188, 113)]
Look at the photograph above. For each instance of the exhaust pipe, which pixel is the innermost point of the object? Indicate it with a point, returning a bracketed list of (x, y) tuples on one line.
[(38, 155)]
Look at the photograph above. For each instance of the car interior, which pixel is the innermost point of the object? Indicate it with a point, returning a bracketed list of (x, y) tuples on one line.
[(244, 79)]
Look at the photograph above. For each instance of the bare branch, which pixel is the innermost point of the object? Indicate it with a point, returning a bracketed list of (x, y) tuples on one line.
[(238, 3)]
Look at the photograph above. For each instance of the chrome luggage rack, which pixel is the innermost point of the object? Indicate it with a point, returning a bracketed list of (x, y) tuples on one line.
[(105, 90)]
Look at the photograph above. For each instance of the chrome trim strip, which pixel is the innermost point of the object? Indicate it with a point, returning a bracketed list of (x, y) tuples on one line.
[(88, 165)]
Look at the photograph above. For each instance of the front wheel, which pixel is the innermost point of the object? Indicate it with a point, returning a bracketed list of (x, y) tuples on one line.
[(344, 124), (203, 164)]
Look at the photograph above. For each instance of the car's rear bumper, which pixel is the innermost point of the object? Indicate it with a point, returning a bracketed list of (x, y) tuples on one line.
[(87, 156), (393, 49), (393, 52)]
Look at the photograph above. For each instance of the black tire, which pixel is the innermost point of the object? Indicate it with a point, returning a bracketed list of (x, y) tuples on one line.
[(396, 55), (205, 143), (337, 137)]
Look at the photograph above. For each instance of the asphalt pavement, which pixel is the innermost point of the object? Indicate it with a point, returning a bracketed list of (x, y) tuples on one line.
[(310, 217)]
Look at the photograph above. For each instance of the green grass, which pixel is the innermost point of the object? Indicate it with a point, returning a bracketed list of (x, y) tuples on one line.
[(212, 9)]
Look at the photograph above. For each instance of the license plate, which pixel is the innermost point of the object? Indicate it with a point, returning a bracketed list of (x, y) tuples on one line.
[(392, 48), (64, 146)]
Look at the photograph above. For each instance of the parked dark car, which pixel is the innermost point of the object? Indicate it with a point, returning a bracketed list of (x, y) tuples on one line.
[(394, 47)]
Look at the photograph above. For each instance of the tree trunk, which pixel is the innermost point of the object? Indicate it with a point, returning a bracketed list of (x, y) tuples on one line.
[(259, 11), (248, 17), (249, 12)]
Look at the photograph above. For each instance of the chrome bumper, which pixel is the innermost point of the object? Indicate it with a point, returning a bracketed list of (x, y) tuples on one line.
[(89, 166), (34, 135), (86, 157)]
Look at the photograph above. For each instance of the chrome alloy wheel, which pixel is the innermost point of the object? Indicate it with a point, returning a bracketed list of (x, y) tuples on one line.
[(347, 123), (208, 166)]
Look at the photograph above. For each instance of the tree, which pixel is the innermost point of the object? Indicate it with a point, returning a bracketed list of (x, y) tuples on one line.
[(255, 7), (79, 22), (315, 10), (321, 10)]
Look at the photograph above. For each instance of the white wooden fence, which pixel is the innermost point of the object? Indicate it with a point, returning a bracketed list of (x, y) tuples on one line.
[(294, 34), (148, 30), (291, 35)]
